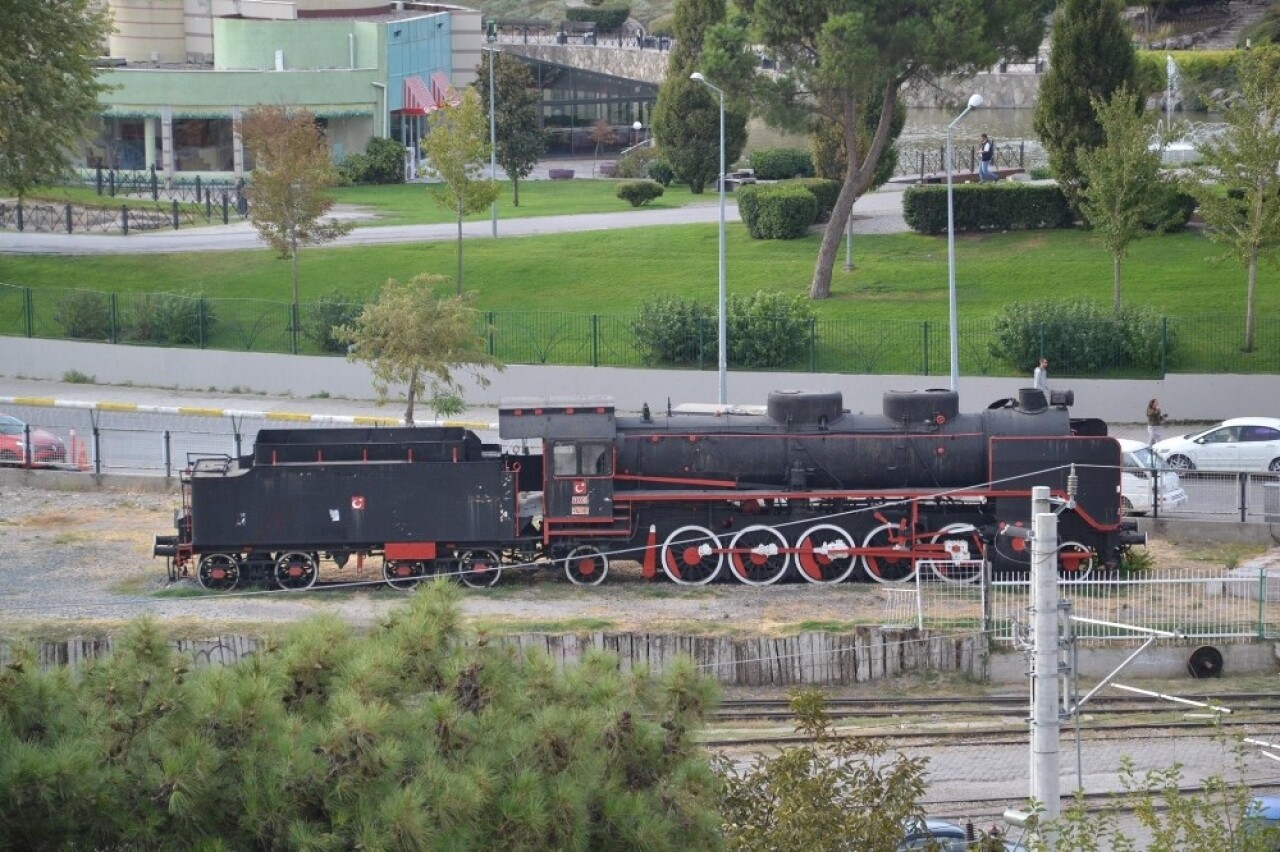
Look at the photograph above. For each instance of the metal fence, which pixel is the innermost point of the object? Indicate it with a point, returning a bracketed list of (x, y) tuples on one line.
[(1204, 344), (70, 218), (1241, 604)]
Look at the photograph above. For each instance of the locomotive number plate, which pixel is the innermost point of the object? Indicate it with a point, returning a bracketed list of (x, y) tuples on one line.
[(581, 510), (581, 501)]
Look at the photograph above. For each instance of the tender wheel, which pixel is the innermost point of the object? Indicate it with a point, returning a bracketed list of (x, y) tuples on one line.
[(1075, 561), (403, 574), (825, 554), (691, 556), (963, 560), (218, 572), (479, 569), (586, 565), (757, 556), (888, 569), (1179, 462), (296, 570)]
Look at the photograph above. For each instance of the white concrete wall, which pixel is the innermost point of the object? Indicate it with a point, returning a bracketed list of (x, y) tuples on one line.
[(1185, 397)]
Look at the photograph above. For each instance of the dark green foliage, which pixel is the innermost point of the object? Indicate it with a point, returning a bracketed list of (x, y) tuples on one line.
[(84, 314), (167, 318), (1079, 338), (639, 192), (381, 163), (824, 192), (636, 164), (781, 163), (520, 143), (777, 212), (607, 18), (764, 331), (831, 160), (1173, 210), (1005, 206), (1092, 56), (660, 170), (1266, 30), (407, 737), (321, 317)]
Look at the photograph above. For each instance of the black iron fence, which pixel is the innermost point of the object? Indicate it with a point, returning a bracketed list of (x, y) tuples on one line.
[(928, 164), (136, 216)]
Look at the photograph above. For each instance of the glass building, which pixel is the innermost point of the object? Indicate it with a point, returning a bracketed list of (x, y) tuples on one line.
[(573, 100)]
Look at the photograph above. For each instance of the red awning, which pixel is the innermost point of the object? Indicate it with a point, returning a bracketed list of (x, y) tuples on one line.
[(417, 98)]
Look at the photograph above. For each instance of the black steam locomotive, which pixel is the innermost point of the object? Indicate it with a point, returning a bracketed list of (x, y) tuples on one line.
[(800, 487)]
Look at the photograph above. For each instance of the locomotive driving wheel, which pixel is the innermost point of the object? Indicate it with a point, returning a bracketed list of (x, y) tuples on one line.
[(825, 554), (479, 569), (296, 570), (586, 565), (1075, 561), (218, 572), (757, 556), (886, 568), (691, 556), (403, 574), (963, 560)]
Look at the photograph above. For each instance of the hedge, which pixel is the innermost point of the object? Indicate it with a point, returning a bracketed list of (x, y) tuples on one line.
[(987, 207), (781, 163), (780, 212), (606, 18), (639, 192), (825, 192)]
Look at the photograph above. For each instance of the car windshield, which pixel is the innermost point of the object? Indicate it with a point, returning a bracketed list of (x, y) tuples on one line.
[(1145, 458), (10, 425)]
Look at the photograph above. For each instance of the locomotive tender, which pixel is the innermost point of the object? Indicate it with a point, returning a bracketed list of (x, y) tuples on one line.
[(800, 487)]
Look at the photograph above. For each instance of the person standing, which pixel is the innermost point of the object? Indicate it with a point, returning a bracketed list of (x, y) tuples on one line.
[(1040, 378), (1155, 417), (986, 154)]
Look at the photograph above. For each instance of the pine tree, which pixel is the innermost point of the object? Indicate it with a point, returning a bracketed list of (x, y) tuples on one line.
[(1092, 57)]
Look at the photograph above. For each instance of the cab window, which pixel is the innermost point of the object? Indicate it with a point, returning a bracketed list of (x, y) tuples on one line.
[(585, 459)]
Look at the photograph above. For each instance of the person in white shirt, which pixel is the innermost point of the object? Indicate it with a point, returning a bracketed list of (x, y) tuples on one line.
[(1040, 379)]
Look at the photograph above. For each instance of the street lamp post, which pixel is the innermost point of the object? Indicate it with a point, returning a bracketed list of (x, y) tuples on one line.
[(636, 127), (723, 351), (975, 101), (493, 126)]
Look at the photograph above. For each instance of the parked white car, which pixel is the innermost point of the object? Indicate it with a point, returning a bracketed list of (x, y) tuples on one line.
[(1242, 443), (1145, 478)]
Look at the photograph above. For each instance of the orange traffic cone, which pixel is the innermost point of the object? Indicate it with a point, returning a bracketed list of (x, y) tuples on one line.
[(82, 460), (650, 566)]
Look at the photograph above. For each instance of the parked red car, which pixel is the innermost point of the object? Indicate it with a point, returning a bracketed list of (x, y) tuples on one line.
[(46, 448)]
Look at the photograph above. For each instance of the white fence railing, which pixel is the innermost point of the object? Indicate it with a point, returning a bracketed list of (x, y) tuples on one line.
[(1241, 604)]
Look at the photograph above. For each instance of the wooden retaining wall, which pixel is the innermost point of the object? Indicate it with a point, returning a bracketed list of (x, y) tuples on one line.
[(867, 654)]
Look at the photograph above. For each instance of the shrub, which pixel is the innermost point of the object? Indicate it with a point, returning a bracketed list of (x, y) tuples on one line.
[(661, 171), (635, 165), (168, 318), (606, 18), (381, 163), (1173, 210), (987, 207), (84, 314), (663, 26), (825, 192), (1079, 338), (781, 163), (781, 212), (765, 331), (321, 317), (639, 192)]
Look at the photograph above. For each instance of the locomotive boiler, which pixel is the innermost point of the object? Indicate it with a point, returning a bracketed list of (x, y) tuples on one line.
[(798, 488)]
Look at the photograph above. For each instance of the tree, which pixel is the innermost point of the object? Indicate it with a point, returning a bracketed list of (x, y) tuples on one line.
[(413, 337), (457, 150), (1121, 178), (520, 142), (1091, 58), (288, 203), (686, 117), (846, 57), (48, 85), (1238, 181), (830, 795), (601, 134), (410, 735)]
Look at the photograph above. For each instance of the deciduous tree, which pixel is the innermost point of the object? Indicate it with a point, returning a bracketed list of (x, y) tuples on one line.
[(1092, 57), (288, 202), (845, 57), (1121, 178), (48, 85), (412, 337), (1238, 181), (457, 149), (517, 101)]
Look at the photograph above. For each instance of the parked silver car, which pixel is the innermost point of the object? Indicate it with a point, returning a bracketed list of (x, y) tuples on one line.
[(1147, 481), (1242, 443)]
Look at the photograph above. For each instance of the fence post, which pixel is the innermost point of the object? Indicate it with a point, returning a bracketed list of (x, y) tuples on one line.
[(925, 331), (922, 166), (1040, 336), (97, 449), (111, 183), (20, 219), (595, 340), (197, 189), (124, 218), (168, 455), (293, 326), (28, 313), (68, 217), (1262, 601), (208, 205), (813, 344), (98, 179), (175, 214), (225, 202), (489, 332), (200, 316), (1242, 480), (115, 325), (1022, 154), (155, 185), (1164, 346)]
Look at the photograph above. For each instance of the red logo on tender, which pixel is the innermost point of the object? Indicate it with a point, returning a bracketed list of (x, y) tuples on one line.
[(580, 486), (357, 503)]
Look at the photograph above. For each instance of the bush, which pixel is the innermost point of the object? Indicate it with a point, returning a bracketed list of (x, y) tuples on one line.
[(987, 207), (319, 318), (639, 192), (825, 192), (765, 331), (1173, 211), (781, 163), (606, 18), (168, 319), (661, 171), (635, 165), (780, 212), (1079, 338), (84, 314), (381, 163)]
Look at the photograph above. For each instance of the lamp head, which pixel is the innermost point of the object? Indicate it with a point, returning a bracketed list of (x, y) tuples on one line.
[(635, 125), (697, 75), (975, 100)]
